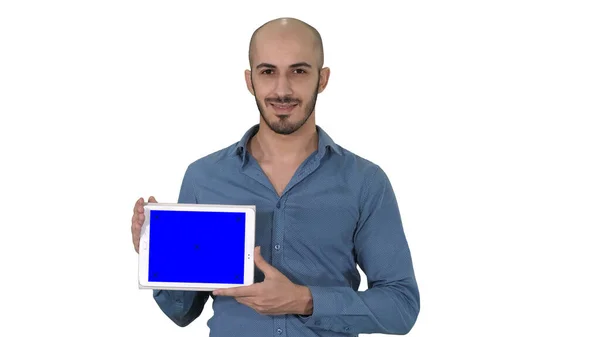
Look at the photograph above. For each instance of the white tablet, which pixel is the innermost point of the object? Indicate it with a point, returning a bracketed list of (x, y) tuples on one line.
[(196, 247)]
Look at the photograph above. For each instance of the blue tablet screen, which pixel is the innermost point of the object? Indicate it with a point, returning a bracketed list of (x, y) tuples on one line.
[(196, 247)]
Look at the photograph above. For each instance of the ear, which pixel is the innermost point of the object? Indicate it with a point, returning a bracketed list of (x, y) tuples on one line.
[(248, 76), (323, 79)]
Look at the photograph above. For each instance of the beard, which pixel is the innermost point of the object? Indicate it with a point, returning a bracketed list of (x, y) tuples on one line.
[(283, 125)]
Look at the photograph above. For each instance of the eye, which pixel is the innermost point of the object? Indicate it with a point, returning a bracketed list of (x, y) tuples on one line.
[(267, 71), (299, 71)]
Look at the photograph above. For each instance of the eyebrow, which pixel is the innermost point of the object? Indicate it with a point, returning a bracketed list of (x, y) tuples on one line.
[(300, 64), (295, 65)]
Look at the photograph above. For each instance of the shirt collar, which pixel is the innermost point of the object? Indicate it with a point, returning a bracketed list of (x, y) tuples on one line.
[(325, 142)]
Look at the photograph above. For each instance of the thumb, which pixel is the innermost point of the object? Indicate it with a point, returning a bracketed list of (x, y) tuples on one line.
[(151, 199), (263, 265)]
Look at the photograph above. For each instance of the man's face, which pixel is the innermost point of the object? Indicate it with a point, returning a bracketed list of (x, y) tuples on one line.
[(285, 81)]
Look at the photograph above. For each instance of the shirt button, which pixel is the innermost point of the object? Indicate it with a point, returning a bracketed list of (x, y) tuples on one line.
[(278, 204), (347, 328), (279, 331), (277, 247)]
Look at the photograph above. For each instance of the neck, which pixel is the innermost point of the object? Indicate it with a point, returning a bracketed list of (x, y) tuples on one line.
[(267, 145)]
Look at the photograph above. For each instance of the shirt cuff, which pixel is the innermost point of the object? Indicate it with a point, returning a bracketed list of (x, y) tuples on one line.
[(326, 303)]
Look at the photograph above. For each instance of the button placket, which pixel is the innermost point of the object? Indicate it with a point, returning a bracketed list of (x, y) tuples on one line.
[(278, 229), (277, 233), (277, 253), (279, 325)]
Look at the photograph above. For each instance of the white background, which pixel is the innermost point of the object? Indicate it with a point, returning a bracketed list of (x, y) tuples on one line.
[(484, 115)]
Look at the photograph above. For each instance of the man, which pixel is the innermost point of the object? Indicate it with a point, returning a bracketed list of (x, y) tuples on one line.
[(321, 210)]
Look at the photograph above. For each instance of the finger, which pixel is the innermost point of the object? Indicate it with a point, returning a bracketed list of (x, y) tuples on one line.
[(243, 291), (138, 203), (138, 221), (151, 199), (135, 238), (140, 208), (263, 265), (136, 229), (245, 301), (228, 292), (136, 225), (252, 303)]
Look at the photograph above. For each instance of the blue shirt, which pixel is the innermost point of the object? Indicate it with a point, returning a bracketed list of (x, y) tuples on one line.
[(338, 210)]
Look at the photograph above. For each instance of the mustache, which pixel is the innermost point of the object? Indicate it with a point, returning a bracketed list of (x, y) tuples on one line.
[(283, 100)]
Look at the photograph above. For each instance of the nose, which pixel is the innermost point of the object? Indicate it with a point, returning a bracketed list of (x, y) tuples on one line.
[(284, 87)]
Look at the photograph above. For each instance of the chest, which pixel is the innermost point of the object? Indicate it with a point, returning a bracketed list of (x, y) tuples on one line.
[(305, 232), (279, 175)]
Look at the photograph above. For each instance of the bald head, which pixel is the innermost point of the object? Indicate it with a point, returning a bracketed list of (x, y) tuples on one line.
[(286, 28)]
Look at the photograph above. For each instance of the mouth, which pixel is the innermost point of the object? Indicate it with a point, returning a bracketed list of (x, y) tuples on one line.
[(283, 108)]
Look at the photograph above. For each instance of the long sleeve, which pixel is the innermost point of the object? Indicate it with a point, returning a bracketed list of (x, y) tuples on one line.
[(182, 307), (391, 303)]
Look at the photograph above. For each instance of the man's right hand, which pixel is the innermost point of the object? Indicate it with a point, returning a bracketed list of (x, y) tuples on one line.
[(137, 220)]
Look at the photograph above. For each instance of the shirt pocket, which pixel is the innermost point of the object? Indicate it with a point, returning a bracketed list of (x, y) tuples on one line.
[(318, 239)]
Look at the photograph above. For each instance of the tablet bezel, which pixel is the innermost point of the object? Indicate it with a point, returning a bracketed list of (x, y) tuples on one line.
[(145, 241)]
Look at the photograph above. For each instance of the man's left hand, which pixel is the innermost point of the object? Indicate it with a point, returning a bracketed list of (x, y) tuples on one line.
[(276, 295)]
